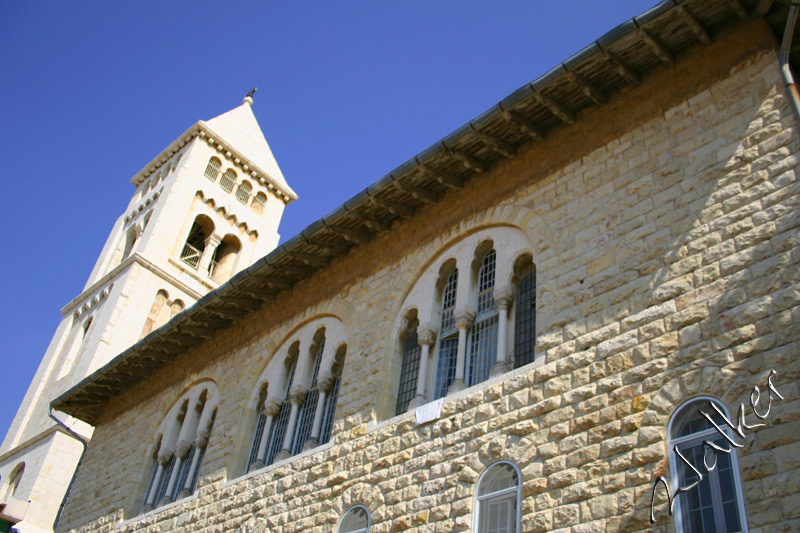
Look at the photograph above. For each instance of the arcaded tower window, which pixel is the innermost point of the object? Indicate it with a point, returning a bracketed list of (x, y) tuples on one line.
[(212, 170)]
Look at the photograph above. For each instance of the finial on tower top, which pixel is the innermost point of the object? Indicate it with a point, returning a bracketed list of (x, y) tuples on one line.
[(249, 98)]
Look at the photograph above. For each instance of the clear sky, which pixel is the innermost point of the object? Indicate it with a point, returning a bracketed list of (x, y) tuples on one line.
[(91, 91)]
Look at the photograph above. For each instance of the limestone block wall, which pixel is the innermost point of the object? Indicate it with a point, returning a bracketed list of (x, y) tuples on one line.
[(664, 228)]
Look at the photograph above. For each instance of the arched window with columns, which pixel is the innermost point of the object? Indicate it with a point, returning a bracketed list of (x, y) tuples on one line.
[(180, 445), (467, 318), (298, 391)]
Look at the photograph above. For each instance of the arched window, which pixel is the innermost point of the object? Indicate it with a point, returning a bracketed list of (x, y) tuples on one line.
[(480, 322), (176, 307), (259, 200), (243, 192), (224, 260), (75, 346), (212, 170), (192, 251), (410, 368), (448, 338), (297, 412), (483, 333), (715, 503), (525, 319), (155, 317), (14, 480), (227, 181), (497, 508), (180, 446), (355, 520), (131, 236)]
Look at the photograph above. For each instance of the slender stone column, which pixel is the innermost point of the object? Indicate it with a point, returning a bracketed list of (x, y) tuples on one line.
[(324, 384), (181, 451), (296, 397), (208, 253), (426, 338), (271, 410), (503, 298), (199, 444), (464, 320)]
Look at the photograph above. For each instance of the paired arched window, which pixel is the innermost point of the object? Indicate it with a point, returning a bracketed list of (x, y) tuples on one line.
[(298, 394), (497, 506), (355, 520), (478, 308), (716, 502), (212, 169), (243, 192), (180, 444)]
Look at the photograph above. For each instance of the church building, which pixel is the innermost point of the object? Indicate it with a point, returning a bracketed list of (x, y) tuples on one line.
[(575, 313)]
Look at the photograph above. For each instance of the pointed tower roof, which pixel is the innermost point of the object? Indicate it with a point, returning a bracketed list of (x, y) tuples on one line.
[(239, 128)]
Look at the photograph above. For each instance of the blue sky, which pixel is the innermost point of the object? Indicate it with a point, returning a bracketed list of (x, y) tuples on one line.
[(347, 91)]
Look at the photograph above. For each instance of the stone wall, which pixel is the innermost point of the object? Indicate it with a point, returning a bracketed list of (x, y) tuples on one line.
[(665, 234)]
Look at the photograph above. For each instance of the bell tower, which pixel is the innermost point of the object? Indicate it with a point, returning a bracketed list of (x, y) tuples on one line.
[(205, 208)]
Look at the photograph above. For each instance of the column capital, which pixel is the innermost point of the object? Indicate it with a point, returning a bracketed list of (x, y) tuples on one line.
[(214, 239), (298, 395), (325, 381), (202, 439), (272, 408), (182, 449), (504, 297), (164, 457), (464, 319), (426, 336)]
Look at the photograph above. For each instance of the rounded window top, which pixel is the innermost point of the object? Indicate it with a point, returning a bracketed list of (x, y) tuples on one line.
[(498, 477), (689, 419), (355, 520)]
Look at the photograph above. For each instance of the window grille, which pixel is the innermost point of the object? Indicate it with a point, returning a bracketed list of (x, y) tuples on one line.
[(483, 334), (330, 406), (482, 349), (449, 305), (184, 473), (715, 504), (162, 489), (257, 205), (409, 371), (498, 500), (525, 321), (243, 192), (309, 407), (227, 181), (196, 474), (191, 255), (278, 431), (212, 170), (448, 344), (262, 420)]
